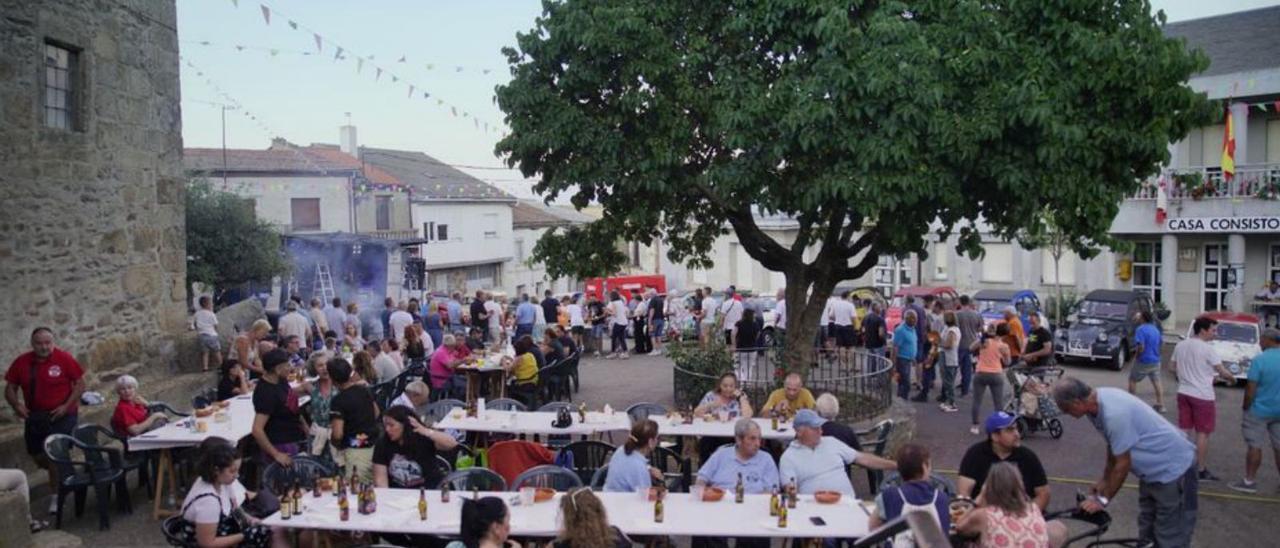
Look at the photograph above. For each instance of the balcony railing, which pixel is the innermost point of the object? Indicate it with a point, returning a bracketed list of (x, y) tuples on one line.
[(393, 234), (1260, 181)]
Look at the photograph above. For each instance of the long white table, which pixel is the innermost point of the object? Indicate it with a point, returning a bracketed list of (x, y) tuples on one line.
[(535, 422), (398, 513), (674, 426)]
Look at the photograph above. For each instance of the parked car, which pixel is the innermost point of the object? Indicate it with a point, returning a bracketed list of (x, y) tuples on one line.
[(1102, 327), (992, 302), (893, 315), (1237, 342)]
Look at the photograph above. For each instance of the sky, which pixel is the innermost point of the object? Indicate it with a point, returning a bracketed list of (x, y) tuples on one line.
[(451, 50)]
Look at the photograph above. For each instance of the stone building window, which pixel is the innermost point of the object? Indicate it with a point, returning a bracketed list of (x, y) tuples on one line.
[(306, 214), (61, 65)]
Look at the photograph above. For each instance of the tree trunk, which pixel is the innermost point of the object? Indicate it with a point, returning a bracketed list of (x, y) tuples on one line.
[(1057, 279), (806, 298)]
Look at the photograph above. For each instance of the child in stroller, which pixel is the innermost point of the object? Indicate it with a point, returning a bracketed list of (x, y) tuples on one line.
[(1031, 401)]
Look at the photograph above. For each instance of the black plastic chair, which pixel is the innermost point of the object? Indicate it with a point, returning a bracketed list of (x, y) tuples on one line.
[(555, 406), (547, 475), (875, 440), (100, 436), (571, 368), (100, 469), (677, 471), (162, 407), (553, 382), (445, 465), (505, 404), (588, 456), (642, 410), (597, 479), (437, 411), (303, 471), (384, 393), (467, 479)]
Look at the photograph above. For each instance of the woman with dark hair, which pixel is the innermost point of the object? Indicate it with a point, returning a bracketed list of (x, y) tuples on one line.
[(727, 400), (1006, 516), (584, 523), (486, 523), (415, 349), (524, 371), (993, 357), (362, 364), (232, 380), (211, 512), (629, 468), (405, 456)]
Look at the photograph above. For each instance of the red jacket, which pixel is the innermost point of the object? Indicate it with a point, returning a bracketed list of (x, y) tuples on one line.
[(510, 458)]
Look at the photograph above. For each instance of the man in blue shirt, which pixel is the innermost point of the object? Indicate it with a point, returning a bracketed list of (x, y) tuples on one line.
[(1139, 440), (743, 460), (526, 314), (1261, 410), (455, 314), (906, 346), (1146, 352)]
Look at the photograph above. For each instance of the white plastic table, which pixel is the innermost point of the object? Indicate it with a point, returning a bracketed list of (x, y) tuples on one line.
[(535, 422), (674, 426), (398, 513)]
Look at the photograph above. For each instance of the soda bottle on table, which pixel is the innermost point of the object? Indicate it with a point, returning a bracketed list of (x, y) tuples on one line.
[(372, 500), (297, 499), (344, 508), (444, 493)]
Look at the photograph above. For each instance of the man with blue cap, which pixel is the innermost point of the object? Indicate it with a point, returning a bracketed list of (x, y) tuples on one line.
[(818, 463), (1003, 444)]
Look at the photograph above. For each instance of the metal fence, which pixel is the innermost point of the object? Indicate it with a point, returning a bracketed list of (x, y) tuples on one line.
[(861, 381)]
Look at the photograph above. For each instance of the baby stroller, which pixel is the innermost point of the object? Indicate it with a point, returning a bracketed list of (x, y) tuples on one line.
[(1031, 401)]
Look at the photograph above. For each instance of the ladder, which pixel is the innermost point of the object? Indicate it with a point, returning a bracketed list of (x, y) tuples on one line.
[(323, 288)]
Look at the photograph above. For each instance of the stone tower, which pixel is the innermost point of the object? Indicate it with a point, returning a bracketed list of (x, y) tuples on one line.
[(92, 227)]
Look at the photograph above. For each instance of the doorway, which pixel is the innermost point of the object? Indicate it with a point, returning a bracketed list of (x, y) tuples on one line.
[(1214, 277)]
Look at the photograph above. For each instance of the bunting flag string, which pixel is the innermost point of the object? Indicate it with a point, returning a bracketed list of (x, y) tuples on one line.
[(266, 14), (319, 40)]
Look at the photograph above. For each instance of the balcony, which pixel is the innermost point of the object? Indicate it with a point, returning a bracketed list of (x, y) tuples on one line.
[(1260, 181), (393, 234)]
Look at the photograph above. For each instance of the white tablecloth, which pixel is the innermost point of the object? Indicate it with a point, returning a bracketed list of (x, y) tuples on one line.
[(398, 513), (536, 422), (176, 434), (702, 428)]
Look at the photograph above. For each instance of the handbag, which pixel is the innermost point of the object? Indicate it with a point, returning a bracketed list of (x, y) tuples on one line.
[(262, 505)]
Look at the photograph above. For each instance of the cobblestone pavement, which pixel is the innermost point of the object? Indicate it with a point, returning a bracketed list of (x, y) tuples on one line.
[(1226, 518)]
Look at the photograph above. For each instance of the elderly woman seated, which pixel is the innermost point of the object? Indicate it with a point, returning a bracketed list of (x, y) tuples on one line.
[(416, 396), (131, 416)]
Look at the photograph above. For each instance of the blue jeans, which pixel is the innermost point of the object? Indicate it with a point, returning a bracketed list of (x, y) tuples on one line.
[(523, 329), (903, 367), (966, 370)]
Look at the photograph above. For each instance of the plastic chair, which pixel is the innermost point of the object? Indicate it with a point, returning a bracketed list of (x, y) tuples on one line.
[(304, 471), (100, 436), (677, 471), (384, 393), (172, 527), (437, 411), (553, 381), (444, 464), (571, 368), (547, 475), (100, 469), (588, 456), (505, 404), (162, 407), (555, 406), (876, 439), (597, 479), (467, 479), (643, 410)]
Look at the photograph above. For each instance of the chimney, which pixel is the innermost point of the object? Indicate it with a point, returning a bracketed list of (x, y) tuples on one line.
[(347, 140)]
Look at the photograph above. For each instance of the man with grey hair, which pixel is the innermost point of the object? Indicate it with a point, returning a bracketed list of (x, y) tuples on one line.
[(828, 407), (294, 324), (818, 463), (741, 462), (903, 352), (416, 396), (1138, 440), (1261, 410)]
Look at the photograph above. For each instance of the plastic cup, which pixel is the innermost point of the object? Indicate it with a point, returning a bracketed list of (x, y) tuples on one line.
[(527, 495), (723, 415), (697, 491), (643, 494)]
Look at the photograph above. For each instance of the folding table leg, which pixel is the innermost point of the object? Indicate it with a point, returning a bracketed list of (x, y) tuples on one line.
[(162, 472)]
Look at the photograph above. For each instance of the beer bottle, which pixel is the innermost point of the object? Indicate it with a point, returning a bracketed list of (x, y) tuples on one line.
[(315, 488), (657, 509), (782, 517), (422, 503), (344, 508), (444, 493), (774, 503), (792, 494), (739, 491), (774, 422), (297, 499), (286, 507), (339, 487), (372, 500)]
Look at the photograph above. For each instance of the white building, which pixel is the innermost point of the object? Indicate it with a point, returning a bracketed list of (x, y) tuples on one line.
[(465, 221), (530, 219)]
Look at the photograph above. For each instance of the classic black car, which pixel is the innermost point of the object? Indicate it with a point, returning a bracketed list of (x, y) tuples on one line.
[(1102, 327)]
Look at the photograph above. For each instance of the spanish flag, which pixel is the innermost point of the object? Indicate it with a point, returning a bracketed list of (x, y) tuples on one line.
[(1229, 148)]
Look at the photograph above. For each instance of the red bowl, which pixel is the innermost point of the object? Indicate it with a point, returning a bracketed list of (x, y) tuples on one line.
[(544, 494), (712, 494), (826, 497)]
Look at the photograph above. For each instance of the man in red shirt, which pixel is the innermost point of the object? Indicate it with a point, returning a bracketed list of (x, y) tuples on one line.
[(51, 382)]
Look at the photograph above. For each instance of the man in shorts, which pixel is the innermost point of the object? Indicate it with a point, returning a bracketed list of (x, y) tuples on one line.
[(1195, 363), (1261, 410), (206, 325), (43, 388), (1146, 352)]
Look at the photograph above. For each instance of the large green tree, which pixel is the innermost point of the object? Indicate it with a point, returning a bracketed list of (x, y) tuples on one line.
[(866, 121), (227, 245)]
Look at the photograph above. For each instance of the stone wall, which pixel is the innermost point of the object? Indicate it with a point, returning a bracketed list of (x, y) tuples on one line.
[(92, 237)]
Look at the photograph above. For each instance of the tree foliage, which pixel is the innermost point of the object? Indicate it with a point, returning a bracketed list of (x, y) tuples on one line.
[(868, 122), (227, 245)]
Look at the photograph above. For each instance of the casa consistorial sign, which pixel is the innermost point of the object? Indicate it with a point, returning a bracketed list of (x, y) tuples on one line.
[(1254, 223)]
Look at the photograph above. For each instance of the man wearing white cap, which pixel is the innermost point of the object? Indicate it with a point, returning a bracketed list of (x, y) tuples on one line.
[(817, 463)]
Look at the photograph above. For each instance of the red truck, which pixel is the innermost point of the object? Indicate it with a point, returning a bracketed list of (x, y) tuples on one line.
[(599, 288)]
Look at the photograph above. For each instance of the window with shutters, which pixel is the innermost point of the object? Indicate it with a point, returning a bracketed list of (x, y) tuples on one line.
[(306, 214), (442, 233), (383, 212)]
